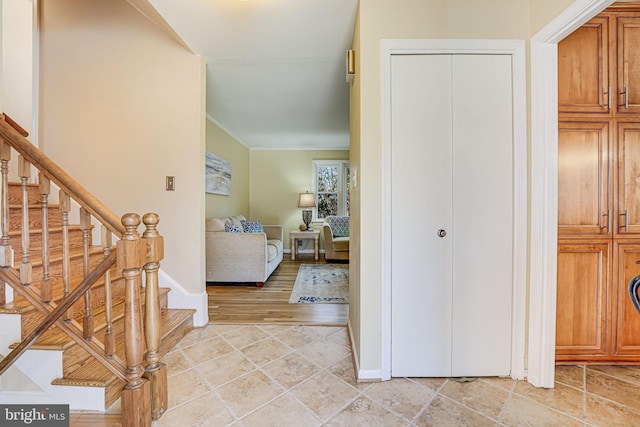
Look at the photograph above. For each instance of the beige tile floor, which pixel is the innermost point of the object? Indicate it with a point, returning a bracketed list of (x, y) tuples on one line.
[(268, 375)]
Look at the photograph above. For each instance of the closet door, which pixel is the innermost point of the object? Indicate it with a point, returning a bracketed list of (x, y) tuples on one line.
[(422, 205), (452, 214), (482, 231)]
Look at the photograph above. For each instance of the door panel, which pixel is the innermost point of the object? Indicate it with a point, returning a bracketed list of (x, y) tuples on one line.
[(628, 179), (421, 201), (627, 339), (483, 215), (583, 69), (583, 278), (583, 179), (629, 64)]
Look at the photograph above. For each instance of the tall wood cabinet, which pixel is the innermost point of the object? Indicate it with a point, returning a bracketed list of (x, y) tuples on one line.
[(599, 188)]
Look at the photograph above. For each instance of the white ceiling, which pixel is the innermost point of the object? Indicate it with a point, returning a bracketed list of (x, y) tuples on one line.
[(275, 68)]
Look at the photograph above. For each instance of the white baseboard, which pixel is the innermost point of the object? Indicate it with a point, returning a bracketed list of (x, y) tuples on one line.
[(362, 375), (180, 298)]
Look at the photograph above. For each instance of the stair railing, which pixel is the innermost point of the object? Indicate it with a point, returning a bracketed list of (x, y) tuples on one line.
[(145, 395)]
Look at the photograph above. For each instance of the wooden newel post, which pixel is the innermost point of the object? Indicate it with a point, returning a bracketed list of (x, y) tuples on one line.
[(155, 371), (131, 257)]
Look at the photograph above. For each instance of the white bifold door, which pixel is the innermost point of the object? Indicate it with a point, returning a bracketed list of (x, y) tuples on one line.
[(452, 215)]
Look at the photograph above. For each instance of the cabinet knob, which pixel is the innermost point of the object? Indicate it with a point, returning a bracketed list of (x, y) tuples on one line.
[(442, 233)]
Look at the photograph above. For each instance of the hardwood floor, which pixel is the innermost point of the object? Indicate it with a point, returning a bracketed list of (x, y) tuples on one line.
[(241, 304)]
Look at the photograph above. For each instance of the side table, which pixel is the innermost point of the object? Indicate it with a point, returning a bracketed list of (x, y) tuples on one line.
[(311, 234)]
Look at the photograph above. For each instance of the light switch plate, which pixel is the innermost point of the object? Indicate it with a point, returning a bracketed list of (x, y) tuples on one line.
[(171, 183)]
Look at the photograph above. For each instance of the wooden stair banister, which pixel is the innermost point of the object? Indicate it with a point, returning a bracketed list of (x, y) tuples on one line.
[(145, 395), (56, 313), (71, 328)]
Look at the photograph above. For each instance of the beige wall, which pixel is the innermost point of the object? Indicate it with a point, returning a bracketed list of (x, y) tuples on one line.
[(122, 106), (544, 11), (277, 179), (17, 55), (382, 19), (220, 143)]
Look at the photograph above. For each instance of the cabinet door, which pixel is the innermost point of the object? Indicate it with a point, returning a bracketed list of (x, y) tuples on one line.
[(581, 312), (583, 179), (628, 215), (583, 69), (628, 64), (627, 330)]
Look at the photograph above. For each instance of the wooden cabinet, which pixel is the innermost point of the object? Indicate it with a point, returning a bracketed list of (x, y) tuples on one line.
[(628, 63), (628, 188), (583, 286), (583, 69), (626, 342), (599, 189), (599, 66), (584, 185)]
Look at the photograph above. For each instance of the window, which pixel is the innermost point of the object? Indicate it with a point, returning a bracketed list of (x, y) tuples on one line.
[(331, 187)]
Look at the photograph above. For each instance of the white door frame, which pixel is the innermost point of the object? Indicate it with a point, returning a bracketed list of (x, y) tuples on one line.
[(515, 48), (544, 187)]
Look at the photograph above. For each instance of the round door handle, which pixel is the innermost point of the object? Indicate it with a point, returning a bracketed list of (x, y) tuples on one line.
[(442, 233)]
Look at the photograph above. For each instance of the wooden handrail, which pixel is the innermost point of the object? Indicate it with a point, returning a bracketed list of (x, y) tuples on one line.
[(62, 179), (15, 125), (57, 312)]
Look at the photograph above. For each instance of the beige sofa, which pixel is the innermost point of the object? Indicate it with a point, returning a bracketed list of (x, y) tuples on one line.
[(241, 257), (336, 248)]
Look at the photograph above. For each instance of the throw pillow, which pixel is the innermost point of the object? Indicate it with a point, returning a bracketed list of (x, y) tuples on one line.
[(229, 227), (339, 225), (252, 227)]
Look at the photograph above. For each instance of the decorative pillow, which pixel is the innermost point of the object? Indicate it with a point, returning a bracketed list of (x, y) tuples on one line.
[(229, 227), (339, 225), (252, 227)]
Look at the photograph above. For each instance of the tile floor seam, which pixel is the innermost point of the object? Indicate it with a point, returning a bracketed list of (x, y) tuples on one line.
[(512, 391), (584, 395), (357, 396), (427, 405), (399, 414), (309, 379), (631, 408), (444, 396), (637, 384), (323, 421), (213, 391)]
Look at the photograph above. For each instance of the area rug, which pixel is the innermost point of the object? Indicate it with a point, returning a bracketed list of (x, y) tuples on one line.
[(321, 283)]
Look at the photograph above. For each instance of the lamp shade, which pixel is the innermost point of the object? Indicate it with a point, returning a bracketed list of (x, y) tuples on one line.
[(306, 200)]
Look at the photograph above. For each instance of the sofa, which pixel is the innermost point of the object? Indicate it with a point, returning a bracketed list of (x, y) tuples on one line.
[(336, 231), (242, 251)]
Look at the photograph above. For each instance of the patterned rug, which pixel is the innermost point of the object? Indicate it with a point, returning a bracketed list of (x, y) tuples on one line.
[(321, 283)]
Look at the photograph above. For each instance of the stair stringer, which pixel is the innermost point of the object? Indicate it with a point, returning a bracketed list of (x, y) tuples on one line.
[(41, 367)]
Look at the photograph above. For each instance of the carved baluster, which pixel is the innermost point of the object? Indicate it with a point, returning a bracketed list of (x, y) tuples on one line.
[(6, 252), (65, 207), (44, 184), (155, 371), (109, 336), (85, 226), (24, 171), (131, 257)]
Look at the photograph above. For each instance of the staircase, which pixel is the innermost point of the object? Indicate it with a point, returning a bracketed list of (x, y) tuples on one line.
[(79, 326)]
